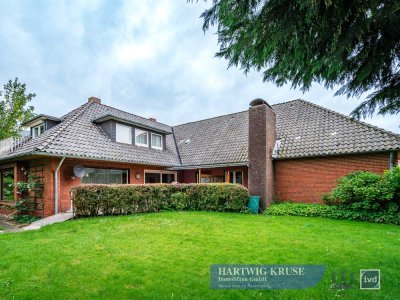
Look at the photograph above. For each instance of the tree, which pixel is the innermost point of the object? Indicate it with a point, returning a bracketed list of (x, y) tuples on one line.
[(13, 108), (355, 44)]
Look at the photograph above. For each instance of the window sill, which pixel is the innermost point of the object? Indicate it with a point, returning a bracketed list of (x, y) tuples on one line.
[(142, 145)]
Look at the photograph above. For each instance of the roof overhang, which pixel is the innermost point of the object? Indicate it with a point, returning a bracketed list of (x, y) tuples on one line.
[(129, 122), (211, 166), (40, 118)]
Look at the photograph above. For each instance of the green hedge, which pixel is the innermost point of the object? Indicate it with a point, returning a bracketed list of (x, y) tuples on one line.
[(93, 200), (334, 212)]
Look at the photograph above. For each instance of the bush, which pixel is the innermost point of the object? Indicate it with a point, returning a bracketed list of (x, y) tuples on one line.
[(334, 212), (367, 191), (94, 200), (392, 181)]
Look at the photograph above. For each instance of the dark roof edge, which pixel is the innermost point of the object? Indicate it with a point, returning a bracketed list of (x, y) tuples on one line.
[(333, 154), (122, 120), (41, 116), (176, 146), (209, 166), (41, 153)]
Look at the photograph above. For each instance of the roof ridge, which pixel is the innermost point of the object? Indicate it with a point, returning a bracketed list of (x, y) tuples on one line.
[(239, 112), (348, 117), (131, 113), (80, 111), (242, 111)]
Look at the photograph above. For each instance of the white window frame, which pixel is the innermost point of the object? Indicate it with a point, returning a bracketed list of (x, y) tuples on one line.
[(116, 133), (141, 144), (162, 143), (40, 132), (161, 172)]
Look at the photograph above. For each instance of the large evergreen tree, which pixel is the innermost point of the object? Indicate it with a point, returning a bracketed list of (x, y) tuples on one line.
[(355, 44), (14, 109)]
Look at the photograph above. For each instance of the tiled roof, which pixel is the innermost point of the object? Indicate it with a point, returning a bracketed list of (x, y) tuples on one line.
[(307, 129), (212, 141), (304, 129), (78, 136)]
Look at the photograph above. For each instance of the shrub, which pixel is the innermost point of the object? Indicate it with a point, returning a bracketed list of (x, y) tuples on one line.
[(93, 200), (362, 190), (366, 191), (391, 179), (334, 212)]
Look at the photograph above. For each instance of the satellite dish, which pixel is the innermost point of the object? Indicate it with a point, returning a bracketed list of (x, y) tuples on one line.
[(79, 171)]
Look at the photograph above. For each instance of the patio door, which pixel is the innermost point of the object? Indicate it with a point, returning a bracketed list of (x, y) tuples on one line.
[(159, 176)]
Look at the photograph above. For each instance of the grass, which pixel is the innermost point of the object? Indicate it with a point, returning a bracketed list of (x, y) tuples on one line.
[(2, 227), (168, 255)]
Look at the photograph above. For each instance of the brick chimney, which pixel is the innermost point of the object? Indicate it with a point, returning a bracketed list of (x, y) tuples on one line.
[(262, 137), (94, 99), (152, 119)]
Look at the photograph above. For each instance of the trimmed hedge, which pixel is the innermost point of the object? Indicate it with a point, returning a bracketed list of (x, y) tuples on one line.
[(334, 212), (96, 199)]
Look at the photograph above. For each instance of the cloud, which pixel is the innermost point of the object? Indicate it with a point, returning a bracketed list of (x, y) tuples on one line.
[(147, 57)]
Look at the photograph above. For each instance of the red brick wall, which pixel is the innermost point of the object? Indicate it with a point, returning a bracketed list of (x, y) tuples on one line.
[(49, 164), (66, 182), (66, 173), (306, 180), (262, 138)]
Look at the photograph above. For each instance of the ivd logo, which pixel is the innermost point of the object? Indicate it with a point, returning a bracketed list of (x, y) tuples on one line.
[(370, 279)]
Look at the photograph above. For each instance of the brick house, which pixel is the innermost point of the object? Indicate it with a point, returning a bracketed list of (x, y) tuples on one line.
[(293, 151)]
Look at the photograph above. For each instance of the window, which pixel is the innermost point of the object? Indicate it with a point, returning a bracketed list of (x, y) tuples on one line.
[(105, 176), (37, 130), (236, 177), (123, 134), (7, 185), (151, 176), (156, 141), (141, 138)]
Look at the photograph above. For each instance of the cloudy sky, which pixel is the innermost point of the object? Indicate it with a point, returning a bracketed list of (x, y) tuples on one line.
[(148, 57)]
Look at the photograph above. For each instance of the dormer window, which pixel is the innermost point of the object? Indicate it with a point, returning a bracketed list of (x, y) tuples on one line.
[(141, 138), (156, 141), (37, 130), (123, 134)]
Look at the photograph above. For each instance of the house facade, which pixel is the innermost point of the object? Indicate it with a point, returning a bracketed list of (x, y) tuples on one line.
[(290, 151)]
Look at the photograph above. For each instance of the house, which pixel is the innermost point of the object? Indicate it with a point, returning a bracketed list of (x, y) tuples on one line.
[(291, 151)]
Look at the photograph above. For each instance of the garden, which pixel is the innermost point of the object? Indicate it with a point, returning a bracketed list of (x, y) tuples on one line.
[(158, 242)]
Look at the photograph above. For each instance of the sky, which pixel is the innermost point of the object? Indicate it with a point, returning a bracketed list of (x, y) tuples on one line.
[(150, 58)]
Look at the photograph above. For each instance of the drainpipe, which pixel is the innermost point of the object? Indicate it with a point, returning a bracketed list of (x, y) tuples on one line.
[(56, 186), (391, 160)]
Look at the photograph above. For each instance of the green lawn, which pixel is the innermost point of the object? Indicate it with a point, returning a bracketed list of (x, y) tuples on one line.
[(168, 255)]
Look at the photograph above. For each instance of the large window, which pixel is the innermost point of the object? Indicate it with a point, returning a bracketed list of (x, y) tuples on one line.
[(151, 176), (123, 134), (141, 137), (236, 177), (156, 141), (105, 176), (7, 185), (37, 130)]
